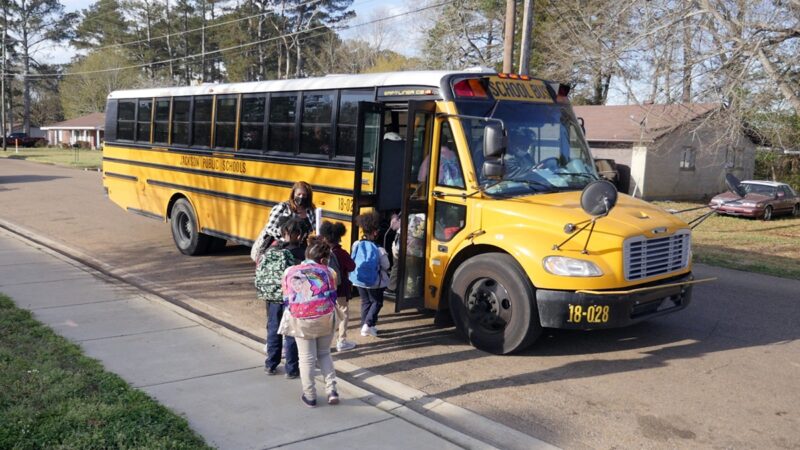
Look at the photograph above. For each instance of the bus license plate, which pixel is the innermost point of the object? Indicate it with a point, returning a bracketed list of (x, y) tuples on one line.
[(588, 314)]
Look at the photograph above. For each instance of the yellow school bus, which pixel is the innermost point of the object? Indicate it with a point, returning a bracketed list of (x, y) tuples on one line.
[(505, 226)]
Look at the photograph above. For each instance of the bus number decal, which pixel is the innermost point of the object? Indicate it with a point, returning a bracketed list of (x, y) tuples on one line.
[(346, 204), (590, 314)]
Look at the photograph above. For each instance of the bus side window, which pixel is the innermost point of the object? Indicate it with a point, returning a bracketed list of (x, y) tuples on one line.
[(181, 107), (316, 123), (143, 117), (251, 130), (282, 115), (161, 121), (126, 120), (225, 122), (347, 120), (449, 168), (449, 219), (201, 121)]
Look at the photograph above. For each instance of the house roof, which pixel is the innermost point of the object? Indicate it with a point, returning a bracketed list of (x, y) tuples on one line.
[(93, 121), (636, 123)]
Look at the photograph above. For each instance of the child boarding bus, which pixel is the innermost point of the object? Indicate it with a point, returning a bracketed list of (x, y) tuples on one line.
[(510, 229)]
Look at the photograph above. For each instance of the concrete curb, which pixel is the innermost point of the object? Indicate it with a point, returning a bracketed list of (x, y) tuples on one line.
[(450, 422)]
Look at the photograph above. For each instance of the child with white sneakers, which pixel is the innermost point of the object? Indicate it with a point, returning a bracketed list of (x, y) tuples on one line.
[(371, 275)]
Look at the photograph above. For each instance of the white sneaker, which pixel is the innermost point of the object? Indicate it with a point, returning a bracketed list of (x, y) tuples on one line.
[(345, 345), (365, 330), (373, 331)]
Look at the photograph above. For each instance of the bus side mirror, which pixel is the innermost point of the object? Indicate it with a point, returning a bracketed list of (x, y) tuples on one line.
[(494, 141), (493, 169)]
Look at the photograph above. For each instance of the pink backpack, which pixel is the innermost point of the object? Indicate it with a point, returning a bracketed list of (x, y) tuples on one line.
[(309, 290)]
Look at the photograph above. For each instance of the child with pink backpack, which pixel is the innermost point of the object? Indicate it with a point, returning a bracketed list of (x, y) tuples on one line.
[(309, 290)]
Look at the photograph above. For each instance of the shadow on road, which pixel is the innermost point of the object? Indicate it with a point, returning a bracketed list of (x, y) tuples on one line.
[(27, 178)]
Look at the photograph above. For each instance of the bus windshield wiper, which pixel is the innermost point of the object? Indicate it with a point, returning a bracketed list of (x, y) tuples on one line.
[(577, 174), (547, 186)]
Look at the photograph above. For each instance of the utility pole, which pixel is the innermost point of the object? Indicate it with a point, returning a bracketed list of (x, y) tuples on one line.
[(525, 44), (3, 81), (508, 40)]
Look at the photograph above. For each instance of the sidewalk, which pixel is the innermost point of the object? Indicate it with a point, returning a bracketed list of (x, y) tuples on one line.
[(209, 375)]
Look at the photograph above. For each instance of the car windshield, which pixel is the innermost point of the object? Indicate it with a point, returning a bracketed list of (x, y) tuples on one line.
[(760, 189), (546, 150)]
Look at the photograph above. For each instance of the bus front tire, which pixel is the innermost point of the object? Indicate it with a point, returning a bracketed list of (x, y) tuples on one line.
[(492, 304), (185, 231)]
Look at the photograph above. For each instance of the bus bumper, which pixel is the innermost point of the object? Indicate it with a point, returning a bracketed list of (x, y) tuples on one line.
[(595, 309)]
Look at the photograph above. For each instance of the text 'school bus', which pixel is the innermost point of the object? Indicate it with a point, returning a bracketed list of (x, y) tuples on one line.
[(504, 221)]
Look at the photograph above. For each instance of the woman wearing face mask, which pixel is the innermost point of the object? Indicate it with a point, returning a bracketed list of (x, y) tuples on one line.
[(300, 205)]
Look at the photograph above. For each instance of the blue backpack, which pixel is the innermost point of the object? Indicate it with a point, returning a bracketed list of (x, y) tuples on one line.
[(368, 264)]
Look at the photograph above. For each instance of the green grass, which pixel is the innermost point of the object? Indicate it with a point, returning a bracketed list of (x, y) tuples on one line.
[(51, 396), (770, 247), (78, 158)]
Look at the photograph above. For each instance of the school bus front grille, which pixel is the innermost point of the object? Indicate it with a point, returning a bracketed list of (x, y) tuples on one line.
[(646, 258)]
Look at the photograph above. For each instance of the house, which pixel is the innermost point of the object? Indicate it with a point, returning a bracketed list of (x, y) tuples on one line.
[(88, 129), (672, 152)]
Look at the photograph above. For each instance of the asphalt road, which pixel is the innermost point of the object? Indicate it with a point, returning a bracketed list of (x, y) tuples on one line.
[(724, 373)]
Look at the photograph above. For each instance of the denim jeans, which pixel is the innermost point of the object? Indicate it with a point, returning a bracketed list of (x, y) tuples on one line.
[(275, 341), (316, 351), (371, 304)]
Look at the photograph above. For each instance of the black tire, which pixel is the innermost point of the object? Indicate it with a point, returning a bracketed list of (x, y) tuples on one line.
[(796, 210), (185, 232), (767, 213), (493, 304)]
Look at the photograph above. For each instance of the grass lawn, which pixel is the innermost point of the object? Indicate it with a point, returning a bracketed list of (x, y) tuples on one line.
[(51, 396), (79, 158), (770, 247)]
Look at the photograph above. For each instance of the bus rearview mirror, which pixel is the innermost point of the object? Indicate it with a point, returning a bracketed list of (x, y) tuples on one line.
[(494, 141)]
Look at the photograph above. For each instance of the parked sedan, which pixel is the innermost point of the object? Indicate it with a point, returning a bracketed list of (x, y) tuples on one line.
[(758, 199)]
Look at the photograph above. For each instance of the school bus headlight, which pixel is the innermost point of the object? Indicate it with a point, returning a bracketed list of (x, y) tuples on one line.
[(571, 267)]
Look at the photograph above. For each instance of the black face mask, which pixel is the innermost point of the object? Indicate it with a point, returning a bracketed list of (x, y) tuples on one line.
[(300, 201)]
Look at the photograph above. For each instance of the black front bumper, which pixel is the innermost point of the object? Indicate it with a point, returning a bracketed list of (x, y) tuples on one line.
[(585, 311)]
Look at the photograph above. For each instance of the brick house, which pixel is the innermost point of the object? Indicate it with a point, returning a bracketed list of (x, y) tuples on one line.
[(88, 129), (673, 152)]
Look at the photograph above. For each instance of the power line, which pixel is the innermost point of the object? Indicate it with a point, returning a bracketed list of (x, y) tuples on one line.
[(179, 33), (236, 47)]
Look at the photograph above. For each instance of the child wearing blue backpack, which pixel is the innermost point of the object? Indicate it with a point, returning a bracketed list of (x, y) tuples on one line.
[(371, 274)]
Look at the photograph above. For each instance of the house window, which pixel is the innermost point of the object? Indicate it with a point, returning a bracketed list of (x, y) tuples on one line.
[(687, 158)]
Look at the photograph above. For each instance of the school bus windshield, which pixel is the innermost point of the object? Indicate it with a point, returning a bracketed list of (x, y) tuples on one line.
[(546, 151)]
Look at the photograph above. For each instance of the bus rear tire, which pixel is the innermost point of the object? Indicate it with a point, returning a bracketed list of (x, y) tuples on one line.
[(492, 304), (185, 232)]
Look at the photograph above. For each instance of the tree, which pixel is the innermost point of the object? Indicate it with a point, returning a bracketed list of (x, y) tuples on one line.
[(102, 24), (88, 82), (32, 25), (296, 18), (465, 33)]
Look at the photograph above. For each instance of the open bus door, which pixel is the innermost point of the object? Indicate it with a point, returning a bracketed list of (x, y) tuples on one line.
[(414, 207), (368, 143)]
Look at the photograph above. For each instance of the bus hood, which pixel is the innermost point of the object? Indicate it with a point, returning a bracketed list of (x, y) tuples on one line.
[(552, 212)]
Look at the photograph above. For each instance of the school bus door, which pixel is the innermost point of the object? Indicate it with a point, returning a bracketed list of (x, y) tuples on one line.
[(414, 210)]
